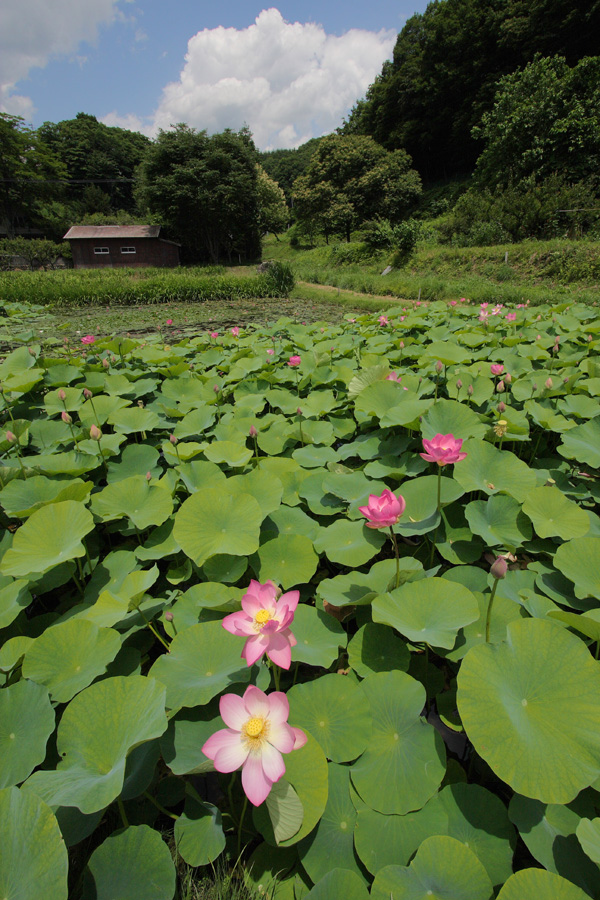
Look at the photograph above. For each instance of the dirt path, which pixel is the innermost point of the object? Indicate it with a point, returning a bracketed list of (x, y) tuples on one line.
[(331, 289)]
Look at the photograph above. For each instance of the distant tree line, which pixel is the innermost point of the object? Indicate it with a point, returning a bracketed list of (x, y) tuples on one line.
[(491, 106)]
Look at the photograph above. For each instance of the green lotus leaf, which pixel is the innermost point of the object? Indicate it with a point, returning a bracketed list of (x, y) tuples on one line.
[(576, 560), (352, 486), (420, 495), (287, 560), (68, 657), (375, 648), (14, 598), (265, 488), (131, 864), (104, 406), (499, 521), (553, 514), (313, 432), (143, 503), (392, 840), (318, 636), (494, 471), (275, 872), (195, 422), (350, 543), (451, 417), (201, 474), (33, 851), (541, 885), (549, 832), (312, 457), (404, 762), (290, 520), (588, 624), (320, 503), (359, 588), (582, 443), (333, 838), (377, 398), (113, 606), (22, 498), (307, 771), (159, 544), (202, 661), (133, 419), (99, 727), (285, 810), (588, 834), (407, 413), (50, 536), (231, 453), (26, 723), (13, 651), (215, 521), (529, 706), (187, 733), (336, 712), (223, 568), (442, 869), (199, 837), (136, 459), (430, 611), (505, 611), (339, 884)]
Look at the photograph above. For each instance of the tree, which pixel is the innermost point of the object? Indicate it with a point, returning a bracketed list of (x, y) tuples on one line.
[(273, 211), (30, 176), (205, 190), (350, 179), (545, 119)]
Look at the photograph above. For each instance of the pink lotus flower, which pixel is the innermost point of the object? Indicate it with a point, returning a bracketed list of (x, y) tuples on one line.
[(256, 736), (496, 368), (270, 351), (265, 621), (235, 331), (443, 449), (453, 302), (214, 334), (484, 305), (88, 339), (510, 317), (393, 377), (294, 361), (383, 320), (383, 511), (169, 321)]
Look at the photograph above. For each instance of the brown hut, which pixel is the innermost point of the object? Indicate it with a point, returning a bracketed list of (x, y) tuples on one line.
[(115, 246)]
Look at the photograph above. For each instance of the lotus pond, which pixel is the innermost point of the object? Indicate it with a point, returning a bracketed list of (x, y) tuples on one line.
[(394, 520)]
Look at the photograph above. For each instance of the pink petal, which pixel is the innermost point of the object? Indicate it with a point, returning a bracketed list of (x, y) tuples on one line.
[(272, 762), (228, 745), (254, 648), (279, 709), (289, 600), (257, 702), (280, 650), (254, 781), (281, 735), (233, 711), (300, 738), (238, 623)]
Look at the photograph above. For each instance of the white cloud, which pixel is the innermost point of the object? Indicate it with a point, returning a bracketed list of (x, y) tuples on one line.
[(34, 31), (288, 81), (130, 122)]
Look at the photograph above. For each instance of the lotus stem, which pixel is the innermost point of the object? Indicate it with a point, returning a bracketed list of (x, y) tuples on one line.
[(159, 806), (488, 617), (395, 543), (122, 812), (241, 822)]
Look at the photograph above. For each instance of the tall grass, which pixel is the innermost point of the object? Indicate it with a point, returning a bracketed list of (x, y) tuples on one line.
[(128, 287)]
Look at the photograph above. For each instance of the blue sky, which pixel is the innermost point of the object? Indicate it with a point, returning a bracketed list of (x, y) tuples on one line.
[(291, 71)]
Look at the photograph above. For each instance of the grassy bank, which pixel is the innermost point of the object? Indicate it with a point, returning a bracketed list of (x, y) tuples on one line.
[(534, 271)]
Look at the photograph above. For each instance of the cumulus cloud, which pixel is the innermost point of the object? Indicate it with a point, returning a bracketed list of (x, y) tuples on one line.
[(288, 81), (34, 31)]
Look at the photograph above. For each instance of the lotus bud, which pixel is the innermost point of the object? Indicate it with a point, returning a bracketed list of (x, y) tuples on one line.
[(548, 383), (61, 395), (565, 380), (501, 407), (589, 338), (500, 386), (299, 411), (148, 476), (470, 390), (459, 384), (66, 417), (169, 616), (87, 394), (499, 568), (10, 437), (216, 389), (401, 345), (253, 431), (439, 366), (534, 386), (95, 433), (105, 363), (173, 439), (508, 378)]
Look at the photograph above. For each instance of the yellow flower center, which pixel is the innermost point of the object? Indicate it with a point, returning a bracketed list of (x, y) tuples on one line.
[(253, 727), (262, 616)]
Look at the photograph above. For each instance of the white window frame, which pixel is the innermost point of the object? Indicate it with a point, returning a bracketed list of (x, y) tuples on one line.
[(100, 251), (128, 250)]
